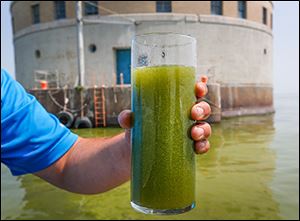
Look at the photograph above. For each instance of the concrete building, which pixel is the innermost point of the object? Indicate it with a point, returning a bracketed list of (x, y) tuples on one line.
[(234, 42)]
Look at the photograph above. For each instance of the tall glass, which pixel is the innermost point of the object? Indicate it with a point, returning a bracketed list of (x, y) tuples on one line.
[(163, 164)]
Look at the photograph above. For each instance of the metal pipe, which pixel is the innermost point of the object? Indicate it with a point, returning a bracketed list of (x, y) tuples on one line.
[(80, 44)]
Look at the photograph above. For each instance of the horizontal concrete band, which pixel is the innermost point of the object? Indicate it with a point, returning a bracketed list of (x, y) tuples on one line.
[(239, 100), (136, 19), (247, 111), (116, 100), (246, 96), (226, 101)]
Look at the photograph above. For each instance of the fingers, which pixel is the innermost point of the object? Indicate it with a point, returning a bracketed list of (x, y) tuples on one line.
[(200, 131), (201, 88), (200, 111), (127, 135), (199, 134), (201, 147), (204, 79), (124, 119)]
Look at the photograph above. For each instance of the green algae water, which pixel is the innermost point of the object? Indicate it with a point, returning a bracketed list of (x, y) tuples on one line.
[(163, 164), (251, 172)]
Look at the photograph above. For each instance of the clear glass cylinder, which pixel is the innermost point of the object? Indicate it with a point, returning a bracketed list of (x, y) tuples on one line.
[(163, 164)]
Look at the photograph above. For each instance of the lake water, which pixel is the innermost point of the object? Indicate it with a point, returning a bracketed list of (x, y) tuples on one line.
[(251, 172)]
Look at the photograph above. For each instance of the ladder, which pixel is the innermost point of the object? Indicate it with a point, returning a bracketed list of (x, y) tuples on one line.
[(99, 107)]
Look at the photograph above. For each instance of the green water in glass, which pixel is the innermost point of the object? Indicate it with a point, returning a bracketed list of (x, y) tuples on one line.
[(163, 164)]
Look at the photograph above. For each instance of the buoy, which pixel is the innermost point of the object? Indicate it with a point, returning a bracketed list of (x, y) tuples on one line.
[(44, 84)]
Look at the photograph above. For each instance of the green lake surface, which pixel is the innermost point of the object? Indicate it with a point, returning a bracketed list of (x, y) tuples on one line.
[(250, 172)]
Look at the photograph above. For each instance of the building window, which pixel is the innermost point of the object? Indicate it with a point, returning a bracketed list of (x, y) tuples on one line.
[(265, 16), (35, 11), (37, 53), (163, 6), (92, 48), (91, 8), (216, 7), (60, 9), (242, 9)]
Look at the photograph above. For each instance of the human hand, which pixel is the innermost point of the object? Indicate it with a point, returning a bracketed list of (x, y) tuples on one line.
[(200, 131)]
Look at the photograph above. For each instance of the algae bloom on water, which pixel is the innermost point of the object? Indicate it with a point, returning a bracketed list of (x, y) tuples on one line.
[(163, 164)]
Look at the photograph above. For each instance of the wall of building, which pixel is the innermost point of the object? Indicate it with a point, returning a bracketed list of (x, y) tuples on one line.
[(125, 7), (224, 101), (21, 20), (117, 99), (254, 11), (58, 50), (21, 10), (240, 51)]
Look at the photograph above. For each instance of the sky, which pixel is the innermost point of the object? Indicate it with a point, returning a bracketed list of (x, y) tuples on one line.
[(286, 45)]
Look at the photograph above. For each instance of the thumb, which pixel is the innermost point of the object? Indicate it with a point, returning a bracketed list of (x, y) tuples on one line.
[(125, 118)]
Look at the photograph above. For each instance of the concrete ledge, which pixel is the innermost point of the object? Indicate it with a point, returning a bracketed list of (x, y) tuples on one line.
[(223, 20), (117, 20), (240, 97), (142, 17), (118, 98), (45, 26), (136, 19), (191, 18), (247, 111)]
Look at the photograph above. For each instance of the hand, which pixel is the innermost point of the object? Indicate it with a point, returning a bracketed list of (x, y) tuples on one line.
[(200, 111)]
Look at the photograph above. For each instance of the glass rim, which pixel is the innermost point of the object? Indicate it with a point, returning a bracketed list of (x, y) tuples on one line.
[(189, 39)]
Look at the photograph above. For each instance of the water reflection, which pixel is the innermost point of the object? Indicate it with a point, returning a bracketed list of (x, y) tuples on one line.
[(233, 182), (234, 177), (11, 195)]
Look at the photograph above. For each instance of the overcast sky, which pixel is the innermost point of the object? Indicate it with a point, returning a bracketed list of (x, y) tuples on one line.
[(286, 45)]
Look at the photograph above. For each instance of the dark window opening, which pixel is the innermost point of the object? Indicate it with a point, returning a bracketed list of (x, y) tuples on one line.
[(265, 16), (242, 9), (163, 6), (265, 51), (35, 11), (37, 53), (216, 7), (91, 8), (92, 48), (60, 9)]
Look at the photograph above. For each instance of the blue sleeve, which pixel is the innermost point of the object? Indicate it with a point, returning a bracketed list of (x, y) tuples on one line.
[(31, 138)]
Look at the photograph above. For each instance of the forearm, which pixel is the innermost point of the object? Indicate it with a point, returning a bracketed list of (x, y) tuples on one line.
[(93, 165)]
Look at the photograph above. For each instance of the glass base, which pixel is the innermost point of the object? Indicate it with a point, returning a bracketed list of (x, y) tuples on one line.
[(162, 211)]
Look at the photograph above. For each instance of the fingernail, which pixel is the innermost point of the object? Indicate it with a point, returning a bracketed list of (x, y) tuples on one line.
[(200, 131), (202, 144), (204, 79), (202, 87), (200, 112)]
